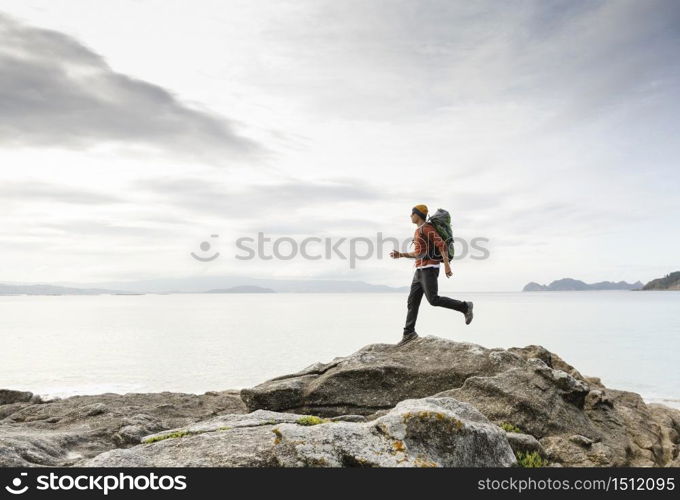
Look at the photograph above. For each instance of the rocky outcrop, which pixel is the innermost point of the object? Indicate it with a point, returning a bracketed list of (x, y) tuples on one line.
[(575, 425), (576, 420), (64, 431), (378, 376), (8, 397), (669, 423), (430, 432), (432, 402)]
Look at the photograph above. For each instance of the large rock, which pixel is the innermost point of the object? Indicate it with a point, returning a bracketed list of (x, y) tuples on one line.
[(576, 419), (669, 423), (432, 432), (63, 431), (8, 396), (536, 398), (575, 425), (378, 376)]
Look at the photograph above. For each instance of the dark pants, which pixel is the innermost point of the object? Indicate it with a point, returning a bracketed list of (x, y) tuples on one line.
[(425, 282)]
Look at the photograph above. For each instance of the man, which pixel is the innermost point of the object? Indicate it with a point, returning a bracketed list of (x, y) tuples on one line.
[(427, 272)]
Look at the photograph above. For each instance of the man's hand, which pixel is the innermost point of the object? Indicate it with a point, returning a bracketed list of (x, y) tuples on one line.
[(447, 270), (394, 254)]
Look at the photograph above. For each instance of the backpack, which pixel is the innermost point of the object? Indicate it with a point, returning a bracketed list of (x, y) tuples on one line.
[(441, 221)]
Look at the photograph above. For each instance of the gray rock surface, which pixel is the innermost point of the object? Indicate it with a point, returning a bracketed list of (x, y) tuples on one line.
[(430, 432), (63, 431), (8, 396), (528, 387), (669, 423), (378, 376), (525, 443)]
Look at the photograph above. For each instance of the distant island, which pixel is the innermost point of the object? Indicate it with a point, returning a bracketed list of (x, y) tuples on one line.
[(242, 289), (669, 282), (201, 284), (570, 285), (197, 284)]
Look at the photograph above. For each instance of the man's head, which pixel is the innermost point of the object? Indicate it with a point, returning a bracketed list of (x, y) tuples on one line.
[(419, 214)]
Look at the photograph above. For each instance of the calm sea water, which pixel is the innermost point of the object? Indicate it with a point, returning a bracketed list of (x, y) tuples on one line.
[(65, 345)]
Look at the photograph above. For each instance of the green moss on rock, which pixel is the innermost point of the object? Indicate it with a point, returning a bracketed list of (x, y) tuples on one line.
[(530, 459), (311, 420), (162, 437), (508, 427)]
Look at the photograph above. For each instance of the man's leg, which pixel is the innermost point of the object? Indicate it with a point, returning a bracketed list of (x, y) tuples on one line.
[(414, 298), (430, 287)]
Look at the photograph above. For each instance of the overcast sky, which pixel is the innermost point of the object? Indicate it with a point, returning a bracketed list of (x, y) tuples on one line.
[(131, 131)]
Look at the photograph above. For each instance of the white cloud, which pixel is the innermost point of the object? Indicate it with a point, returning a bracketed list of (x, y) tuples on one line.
[(56, 91)]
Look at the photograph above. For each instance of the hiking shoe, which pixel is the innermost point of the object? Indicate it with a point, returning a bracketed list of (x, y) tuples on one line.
[(468, 314), (408, 337)]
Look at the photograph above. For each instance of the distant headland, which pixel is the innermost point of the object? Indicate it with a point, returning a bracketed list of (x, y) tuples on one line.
[(669, 282), (570, 284)]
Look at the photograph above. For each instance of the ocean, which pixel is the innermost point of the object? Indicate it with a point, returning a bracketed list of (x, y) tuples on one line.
[(67, 345)]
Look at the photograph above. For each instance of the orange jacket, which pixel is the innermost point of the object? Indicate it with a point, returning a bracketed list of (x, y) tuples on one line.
[(423, 239)]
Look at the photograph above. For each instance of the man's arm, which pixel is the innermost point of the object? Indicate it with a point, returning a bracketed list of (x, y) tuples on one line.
[(396, 255), (447, 264), (417, 250)]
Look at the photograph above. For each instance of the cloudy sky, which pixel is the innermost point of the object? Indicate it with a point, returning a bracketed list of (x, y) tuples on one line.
[(132, 131)]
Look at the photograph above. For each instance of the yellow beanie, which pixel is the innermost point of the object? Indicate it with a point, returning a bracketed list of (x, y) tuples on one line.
[(421, 210)]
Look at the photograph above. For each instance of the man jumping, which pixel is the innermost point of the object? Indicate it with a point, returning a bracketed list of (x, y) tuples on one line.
[(427, 272)]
